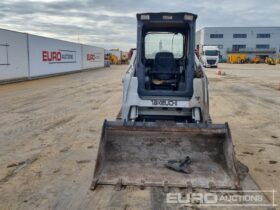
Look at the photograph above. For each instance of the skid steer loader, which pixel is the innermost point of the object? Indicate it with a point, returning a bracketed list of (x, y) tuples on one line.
[(164, 136)]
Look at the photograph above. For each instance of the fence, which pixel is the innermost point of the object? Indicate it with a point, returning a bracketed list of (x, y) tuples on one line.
[(24, 56)]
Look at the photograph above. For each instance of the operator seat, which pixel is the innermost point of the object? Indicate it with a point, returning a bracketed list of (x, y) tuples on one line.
[(164, 74)]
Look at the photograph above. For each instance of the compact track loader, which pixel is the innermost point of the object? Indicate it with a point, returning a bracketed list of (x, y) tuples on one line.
[(163, 136)]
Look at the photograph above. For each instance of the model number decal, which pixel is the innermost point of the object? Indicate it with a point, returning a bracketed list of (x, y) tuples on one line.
[(162, 102)]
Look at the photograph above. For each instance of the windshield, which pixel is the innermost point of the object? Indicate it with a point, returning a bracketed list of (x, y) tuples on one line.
[(211, 52), (164, 42)]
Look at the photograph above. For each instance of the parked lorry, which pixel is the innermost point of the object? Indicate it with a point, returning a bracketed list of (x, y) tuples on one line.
[(209, 56)]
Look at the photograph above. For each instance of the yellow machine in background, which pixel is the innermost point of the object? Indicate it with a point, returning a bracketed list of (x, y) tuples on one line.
[(237, 58), (256, 60), (116, 56), (124, 58), (112, 58), (270, 61)]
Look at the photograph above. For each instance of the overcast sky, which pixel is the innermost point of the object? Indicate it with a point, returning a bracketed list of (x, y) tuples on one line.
[(112, 23)]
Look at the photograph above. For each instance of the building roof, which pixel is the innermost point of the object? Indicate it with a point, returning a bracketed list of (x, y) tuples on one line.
[(226, 27)]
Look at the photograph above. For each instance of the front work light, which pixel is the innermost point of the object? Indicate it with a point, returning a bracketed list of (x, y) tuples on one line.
[(188, 17), (167, 17), (145, 17)]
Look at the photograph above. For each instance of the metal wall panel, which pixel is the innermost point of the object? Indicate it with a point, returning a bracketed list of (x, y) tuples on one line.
[(51, 56), (13, 55), (93, 57)]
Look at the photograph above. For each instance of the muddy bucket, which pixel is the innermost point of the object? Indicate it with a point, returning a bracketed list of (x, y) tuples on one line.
[(138, 154)]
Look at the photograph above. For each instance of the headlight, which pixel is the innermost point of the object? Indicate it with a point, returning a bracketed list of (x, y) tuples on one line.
[(145, 17), (188, 17), (167, 17)]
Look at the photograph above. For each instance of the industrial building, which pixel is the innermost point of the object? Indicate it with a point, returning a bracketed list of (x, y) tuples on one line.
[(252, 41)]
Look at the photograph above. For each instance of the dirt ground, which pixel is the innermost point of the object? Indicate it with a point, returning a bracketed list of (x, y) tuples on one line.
[(50, 129)]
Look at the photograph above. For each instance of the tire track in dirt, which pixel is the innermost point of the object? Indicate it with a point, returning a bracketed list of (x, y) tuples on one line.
[(39, 124), (18, 167)]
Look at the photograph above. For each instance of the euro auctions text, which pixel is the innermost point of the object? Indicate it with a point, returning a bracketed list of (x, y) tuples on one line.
[(221, 198)]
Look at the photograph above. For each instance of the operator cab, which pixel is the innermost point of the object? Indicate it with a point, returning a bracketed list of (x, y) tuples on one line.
[(165, 59)]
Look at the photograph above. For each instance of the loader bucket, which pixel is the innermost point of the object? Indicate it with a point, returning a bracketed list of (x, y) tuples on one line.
[(137, 153)]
